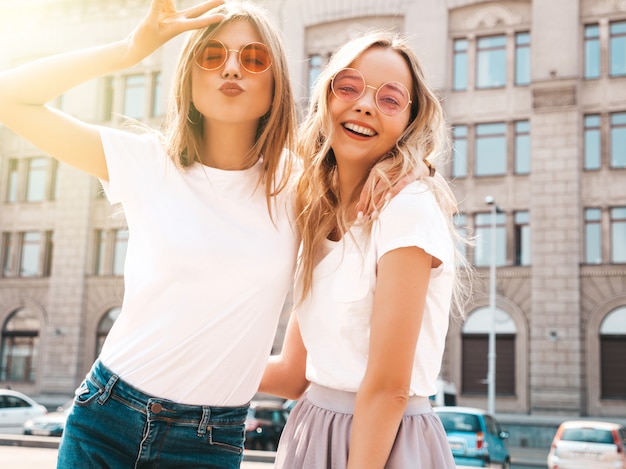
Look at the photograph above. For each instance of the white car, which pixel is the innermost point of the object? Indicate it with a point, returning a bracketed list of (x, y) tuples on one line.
[(584, 444), (15, 409)]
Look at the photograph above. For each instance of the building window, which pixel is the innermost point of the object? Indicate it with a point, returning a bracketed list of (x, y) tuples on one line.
[(100, 259), (482, 249), (316, 63), (460, 223), (592, 52), (459, 67), (475, 348), (618, 235), (522, 59), (491, 62), (104, 326), (134, 96), (612, 351), (32, 179), (617, 49), (593, 236), (27, 254), (20, 347), (156, 95), (119, 251), (490, 149), (459, 159), (592, 142), (12, 180), (522, 238), (522, 147), (618, 140)]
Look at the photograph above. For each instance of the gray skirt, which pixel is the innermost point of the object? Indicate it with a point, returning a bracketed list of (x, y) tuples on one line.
[(317, 434)]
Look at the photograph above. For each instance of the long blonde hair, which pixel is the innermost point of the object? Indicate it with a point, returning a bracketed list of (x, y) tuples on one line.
[(276, 129), (420, 147)]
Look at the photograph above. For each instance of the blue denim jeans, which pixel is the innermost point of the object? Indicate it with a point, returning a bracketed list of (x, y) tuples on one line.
[(113, 425)]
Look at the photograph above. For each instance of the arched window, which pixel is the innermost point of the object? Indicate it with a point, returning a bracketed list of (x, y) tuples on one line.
[(104, 326), (612, 353), (475, 349), (20, 346)]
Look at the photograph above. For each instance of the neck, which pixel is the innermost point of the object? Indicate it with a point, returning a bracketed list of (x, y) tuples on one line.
[(227, 146), (349, 179)]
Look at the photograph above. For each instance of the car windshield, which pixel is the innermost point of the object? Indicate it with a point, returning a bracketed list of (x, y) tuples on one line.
[(454, 422), (590, 435)]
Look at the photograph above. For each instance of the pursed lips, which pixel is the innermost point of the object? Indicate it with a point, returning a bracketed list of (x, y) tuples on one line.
[(231, 89)]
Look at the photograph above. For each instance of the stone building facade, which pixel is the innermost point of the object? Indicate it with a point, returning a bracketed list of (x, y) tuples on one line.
[(535, 95)]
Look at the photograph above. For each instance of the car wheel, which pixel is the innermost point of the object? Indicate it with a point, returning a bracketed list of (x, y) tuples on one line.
[(506, 464), (270, 446)]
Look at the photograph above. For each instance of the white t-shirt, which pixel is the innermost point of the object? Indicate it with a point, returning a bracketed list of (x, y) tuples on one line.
[(335, 318), (206, 274)]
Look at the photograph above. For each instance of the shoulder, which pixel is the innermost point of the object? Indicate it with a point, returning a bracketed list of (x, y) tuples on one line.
[(416, 199)]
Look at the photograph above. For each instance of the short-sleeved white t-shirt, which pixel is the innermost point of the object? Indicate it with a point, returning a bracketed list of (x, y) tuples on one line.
[(335, 317), (206, 274)]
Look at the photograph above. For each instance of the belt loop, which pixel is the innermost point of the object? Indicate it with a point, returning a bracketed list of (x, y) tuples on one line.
[(107, 390), (204, 421)]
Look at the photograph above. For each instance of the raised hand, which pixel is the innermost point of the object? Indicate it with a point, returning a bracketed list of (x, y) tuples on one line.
[(163, 22)]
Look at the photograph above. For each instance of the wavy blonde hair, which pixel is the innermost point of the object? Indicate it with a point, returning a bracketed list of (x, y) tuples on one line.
[(276, 129), (420, 147)]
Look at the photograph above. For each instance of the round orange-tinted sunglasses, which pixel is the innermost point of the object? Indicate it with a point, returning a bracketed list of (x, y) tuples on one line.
[(254, 57)]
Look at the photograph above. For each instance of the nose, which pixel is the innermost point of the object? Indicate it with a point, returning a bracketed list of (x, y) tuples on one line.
[(232, 66), (367, 102)]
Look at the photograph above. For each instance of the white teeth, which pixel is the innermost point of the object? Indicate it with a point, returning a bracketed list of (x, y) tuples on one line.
[(359, 129)]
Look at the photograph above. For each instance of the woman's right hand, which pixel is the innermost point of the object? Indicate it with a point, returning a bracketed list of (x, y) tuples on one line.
[(164, 21)]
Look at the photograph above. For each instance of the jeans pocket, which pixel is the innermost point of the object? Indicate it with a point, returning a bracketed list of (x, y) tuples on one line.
[(86, 393), (227, 437)]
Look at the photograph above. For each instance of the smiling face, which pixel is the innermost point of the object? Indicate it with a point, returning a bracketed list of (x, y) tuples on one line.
[(362, 134), (230, 93)]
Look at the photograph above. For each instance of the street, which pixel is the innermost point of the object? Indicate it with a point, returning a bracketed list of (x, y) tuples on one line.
[(19, 457)]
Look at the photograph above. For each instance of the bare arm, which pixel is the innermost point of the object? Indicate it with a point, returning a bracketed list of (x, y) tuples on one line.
[(285, 373), (25, 90), (403, 276)]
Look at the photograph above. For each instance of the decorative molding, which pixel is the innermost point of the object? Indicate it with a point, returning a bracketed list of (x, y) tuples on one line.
[(324, 11), (554, 98), (602, 7)]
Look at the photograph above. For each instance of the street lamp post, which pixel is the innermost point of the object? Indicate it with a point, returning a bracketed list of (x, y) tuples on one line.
[(491, 354)]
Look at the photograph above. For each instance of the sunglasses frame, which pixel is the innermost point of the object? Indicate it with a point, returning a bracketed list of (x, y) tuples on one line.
[(228, 51), (365, 86)]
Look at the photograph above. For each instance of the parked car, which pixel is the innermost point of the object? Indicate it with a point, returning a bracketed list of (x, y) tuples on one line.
[(475, 437), (50, 424), (15, 409), (584, 444), (264, 425)]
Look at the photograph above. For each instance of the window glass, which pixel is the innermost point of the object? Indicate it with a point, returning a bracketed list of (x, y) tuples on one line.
[(593, 236), (618, 140), (592, 143), (100, 252), (460, 223), (12, 180), (31, 254), (460, 65), (482, 250), (522, 238), (7, 255), (522, 147), (491, 62), (522, 58), (618, 235), (592, 51), (316, 63), (119, 253), (20, 347), (134, 96), (104, 326), (459, 160), (156, 95), (490, 149), (617, 46), (36, 183)]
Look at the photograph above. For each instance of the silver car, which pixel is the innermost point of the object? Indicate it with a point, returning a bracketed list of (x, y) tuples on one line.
[(584, 444), (15, 409)]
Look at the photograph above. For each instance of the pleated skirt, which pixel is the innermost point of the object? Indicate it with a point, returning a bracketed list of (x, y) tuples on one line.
[(317, 434)]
